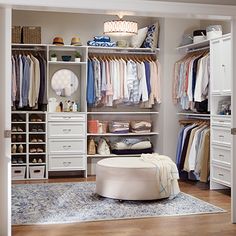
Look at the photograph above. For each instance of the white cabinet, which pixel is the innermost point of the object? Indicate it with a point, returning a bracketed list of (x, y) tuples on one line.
[(220, 57), (67, 142)]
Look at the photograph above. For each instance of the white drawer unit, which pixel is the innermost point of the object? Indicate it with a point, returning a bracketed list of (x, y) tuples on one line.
[(221, 175), (221, 135), (67, 162), (66, 116), (221, 155), (223, 121), (66, 146), (66, 130)]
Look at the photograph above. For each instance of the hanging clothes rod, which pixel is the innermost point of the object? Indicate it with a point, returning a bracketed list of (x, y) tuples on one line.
[(28, 49), (123, 53), (198, 49)]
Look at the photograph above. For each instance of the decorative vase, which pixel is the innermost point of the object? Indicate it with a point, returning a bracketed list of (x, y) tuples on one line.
[(77, 59), (53, 58)]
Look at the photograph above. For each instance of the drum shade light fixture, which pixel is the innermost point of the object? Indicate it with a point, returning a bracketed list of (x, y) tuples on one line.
[(120, 27)]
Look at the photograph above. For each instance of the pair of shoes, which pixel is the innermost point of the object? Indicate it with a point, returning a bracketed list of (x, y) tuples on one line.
[(17, 120), (39, 160), (17, 129), (34, 140), (36, 120), (13, 148), (34, 150), (37, 130), (19, 149), (13, 138), (17, 138)]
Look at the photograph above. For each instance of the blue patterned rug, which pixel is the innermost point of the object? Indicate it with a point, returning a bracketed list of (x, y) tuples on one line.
[(77, 202)]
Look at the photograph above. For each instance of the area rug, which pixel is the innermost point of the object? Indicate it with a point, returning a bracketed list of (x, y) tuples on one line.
[(78, 202)]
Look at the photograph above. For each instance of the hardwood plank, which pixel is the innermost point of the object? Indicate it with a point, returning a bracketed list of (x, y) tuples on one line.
[(206, 224)]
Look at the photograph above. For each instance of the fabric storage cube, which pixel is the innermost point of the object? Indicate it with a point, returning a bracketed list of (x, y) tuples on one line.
[(36, 172), (16, 34), (141, 126), (31, 34), (93, 126), (18, 172)]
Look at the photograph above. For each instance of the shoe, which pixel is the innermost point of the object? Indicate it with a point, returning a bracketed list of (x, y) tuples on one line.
[(33, 120), (14, 161), (40, 130), (20, 120), (34, 161), (13, 138), (19, 138), (40, 140), (39, 150), (14, 129), (39, 120), (13, 148), (33, 130), (19, 129), (20, 148), (33, 150), (14, 120), (34, 140), (20, 161), (40, 160)]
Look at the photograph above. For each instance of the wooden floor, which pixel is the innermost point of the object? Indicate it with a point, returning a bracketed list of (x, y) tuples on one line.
[(207, 224)]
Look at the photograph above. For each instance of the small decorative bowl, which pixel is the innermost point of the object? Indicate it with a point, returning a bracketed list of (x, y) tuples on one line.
[(66, 58)]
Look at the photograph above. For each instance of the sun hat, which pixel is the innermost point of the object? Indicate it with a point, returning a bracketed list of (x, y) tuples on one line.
[(58, 41), (76, 41)]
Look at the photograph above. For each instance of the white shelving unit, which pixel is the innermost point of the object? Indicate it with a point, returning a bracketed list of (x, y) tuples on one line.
[(26, 170), (194, 46)]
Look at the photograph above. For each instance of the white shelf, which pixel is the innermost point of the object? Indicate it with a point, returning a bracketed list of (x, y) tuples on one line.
[(148, 50), (113, 155), (37, 153), (193, 114), (125, 134), (122, 113), (18, 132), (66, 63), (18, 122), (18, 164), (37, 132), (36, 164), (17, 154), (18, 143), (193, 46), (222, 116), (32, 122), (28, 45), (38, 143)]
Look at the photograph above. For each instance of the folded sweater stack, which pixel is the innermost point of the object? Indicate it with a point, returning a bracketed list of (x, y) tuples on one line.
[(102, 41), (140, 126)]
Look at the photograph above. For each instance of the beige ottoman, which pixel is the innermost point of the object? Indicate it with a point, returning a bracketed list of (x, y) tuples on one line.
[(127, 178)]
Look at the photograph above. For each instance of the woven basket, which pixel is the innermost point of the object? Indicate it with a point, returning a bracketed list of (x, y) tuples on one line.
[(16, 34), (31, 34)]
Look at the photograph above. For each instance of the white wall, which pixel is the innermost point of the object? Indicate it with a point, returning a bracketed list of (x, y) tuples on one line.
[(68, 25), (220, 2)]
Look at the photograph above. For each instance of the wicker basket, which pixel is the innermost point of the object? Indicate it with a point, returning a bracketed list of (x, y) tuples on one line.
[(31, 34), (16, 34)]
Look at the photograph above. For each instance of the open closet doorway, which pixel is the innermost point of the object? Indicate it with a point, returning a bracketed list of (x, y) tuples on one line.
[(163, 138)]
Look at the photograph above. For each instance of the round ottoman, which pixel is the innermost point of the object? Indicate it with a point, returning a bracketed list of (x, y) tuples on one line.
[(127, 178)]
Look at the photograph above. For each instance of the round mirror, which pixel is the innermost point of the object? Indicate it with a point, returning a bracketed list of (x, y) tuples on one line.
[(64, 82)]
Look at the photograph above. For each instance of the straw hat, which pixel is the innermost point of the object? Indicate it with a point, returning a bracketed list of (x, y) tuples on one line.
[(58, 41), (76, 41)]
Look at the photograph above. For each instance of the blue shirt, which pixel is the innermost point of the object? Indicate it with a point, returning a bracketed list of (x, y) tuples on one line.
[(147, 73), (90, 84)]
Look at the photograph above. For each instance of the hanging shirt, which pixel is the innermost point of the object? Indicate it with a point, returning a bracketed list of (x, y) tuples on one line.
[(25, 81), (13, 81), (21, 79), (90, 84)]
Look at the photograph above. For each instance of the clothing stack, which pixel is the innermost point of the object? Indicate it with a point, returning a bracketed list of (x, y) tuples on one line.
[(140, 126), (119, 127), (28, 81), (131, 146), (120, 81), (191, 81), (101, 41), (193, 152)]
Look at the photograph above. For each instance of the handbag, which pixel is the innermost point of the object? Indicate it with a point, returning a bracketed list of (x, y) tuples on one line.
[(91, 147), (103, 147)]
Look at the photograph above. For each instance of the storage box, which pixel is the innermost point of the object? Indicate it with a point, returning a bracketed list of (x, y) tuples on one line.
[(31, 34), (18, 172), (93, 126), (16, 34), (36, 172)]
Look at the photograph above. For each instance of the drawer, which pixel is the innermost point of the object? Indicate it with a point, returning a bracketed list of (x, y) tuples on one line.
[(221, 175), (68, 162), (67, 146), (223, 121), (221, 135), (66, 130), (221, 154), (66, 116)]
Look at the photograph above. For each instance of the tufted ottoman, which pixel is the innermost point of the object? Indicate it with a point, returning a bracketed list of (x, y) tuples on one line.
[(127, 178)]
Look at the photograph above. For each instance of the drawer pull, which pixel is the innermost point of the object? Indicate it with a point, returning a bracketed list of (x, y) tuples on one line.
[(221, 121), (221, 175), (67, 117), (66, 163), (66, 130), (220, 155), (66, 147), (221, 136)]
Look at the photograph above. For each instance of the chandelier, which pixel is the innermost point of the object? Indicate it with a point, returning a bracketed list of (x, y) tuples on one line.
[(120, 27)]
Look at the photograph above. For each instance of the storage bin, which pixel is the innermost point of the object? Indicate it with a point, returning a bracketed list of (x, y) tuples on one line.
[(119, 127), (31, 34), (18, 172), (199, 36), (214, 31), (36, 172), (93, 126), (16, 34)]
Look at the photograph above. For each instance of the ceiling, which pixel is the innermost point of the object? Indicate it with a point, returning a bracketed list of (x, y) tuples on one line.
[(217, 2)]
